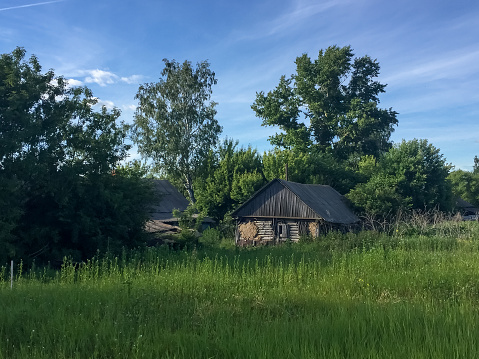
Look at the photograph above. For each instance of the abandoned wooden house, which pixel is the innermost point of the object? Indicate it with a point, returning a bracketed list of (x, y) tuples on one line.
[(162, 220), (283, 210)]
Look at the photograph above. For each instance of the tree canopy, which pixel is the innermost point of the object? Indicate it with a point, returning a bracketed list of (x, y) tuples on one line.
[(465, 184), (57, 155), (411, 175), (175, 121), (331, 104), (230, 175)]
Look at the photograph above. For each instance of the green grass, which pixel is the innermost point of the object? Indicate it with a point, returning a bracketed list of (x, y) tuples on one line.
[(345, 296)]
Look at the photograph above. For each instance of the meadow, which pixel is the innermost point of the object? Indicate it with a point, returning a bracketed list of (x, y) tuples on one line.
[(408, 294)]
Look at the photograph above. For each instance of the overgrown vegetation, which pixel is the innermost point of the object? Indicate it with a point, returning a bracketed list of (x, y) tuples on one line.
[(60, 194), (65, 192), (410, 294)]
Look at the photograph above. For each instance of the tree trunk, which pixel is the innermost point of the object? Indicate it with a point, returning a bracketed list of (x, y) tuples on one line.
[(189, 189)]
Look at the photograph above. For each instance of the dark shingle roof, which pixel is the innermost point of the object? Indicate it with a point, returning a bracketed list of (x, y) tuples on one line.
[(169, 199), (466, 206), (324, 200), (303, 201)]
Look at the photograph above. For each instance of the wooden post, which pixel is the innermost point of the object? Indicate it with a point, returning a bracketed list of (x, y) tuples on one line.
[(11, 275)]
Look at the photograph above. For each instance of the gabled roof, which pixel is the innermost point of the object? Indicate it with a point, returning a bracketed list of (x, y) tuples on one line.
[(169, 199), (318, 201), (466, 206)]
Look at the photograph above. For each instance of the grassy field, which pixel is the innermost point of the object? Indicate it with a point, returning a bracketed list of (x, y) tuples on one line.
[(367, 295)]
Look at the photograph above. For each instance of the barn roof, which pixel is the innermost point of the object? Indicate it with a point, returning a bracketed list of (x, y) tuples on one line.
[(464, 205), (169, 199), (319, 201)]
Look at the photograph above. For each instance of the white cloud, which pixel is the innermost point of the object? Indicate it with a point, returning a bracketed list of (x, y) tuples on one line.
[(74, 83), (104, 78), (133, 79), (101, 77), (108, 104)]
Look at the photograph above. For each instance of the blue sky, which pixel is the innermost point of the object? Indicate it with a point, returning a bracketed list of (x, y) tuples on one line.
[(428, 52)]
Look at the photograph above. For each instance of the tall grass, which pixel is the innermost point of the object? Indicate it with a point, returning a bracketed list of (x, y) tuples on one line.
[(365, 295)]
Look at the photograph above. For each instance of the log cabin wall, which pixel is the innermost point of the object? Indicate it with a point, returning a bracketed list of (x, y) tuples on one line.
[(270, 231)]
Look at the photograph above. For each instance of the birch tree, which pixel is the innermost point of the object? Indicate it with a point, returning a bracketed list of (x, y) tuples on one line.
[(175, 123)]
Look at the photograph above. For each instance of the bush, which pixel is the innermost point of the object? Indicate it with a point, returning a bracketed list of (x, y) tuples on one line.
[(211, 236)]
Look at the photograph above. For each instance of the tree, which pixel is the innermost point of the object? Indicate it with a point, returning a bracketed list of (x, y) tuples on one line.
[(465, 185), (312, 167), (411, 175), (229, 177), (174, 121), (330, 104), (475, 168), (57, 155)]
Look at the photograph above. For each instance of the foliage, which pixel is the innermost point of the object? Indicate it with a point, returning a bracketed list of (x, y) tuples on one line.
[(190, 223), (57, 155), (229, 177), (309, 167), (174, 121), (211, 236), (465, 185), (411, 175), (330, 104), (189, 219)]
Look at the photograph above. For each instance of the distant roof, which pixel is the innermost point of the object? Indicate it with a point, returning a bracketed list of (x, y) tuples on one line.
[(319, 201), (161, 227), (169, 199), (465, 206)]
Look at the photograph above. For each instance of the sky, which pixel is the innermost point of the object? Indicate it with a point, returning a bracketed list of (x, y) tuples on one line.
[(428, 51)]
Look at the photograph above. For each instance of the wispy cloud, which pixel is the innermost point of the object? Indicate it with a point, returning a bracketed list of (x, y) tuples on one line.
[(129, 107), (29, 5), (453, 65), (101, 77), (299, 12), (133, 79)]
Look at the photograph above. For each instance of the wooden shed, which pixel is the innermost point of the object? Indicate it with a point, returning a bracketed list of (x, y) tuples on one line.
[(283, 210), (161, 212)]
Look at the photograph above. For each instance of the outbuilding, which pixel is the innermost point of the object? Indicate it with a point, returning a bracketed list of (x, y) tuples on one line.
[(284, 210), (468, 211), (169, 198)]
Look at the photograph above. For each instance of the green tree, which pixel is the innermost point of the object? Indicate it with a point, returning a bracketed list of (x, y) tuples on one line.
[(331, 103), (465, 185), (175, 121), (230, 176), (411, 175), (57, 155), (476, 165), (311, 166)]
